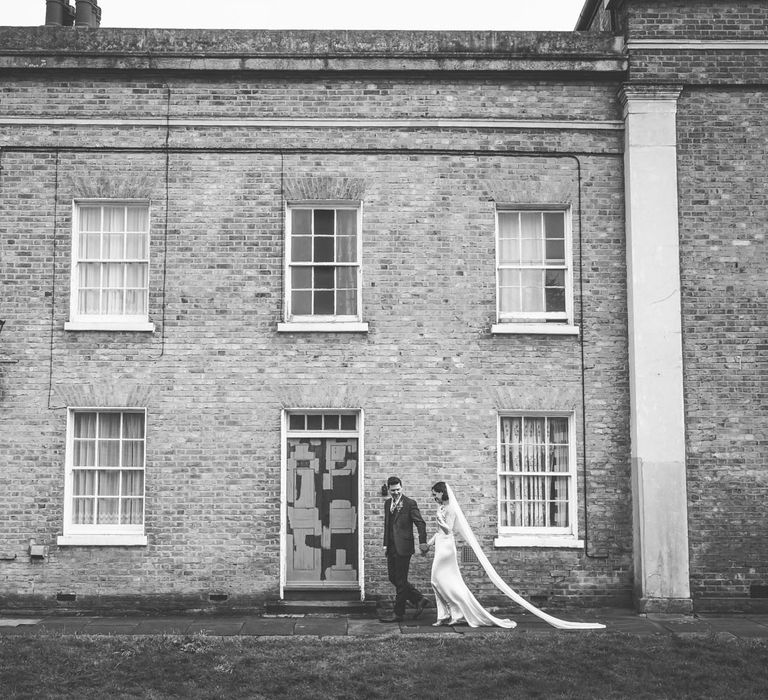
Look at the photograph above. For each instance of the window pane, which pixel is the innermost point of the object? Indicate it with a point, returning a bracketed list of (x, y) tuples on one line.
[(323, 303), (349, 422), (556, 251), (85, 425), (314, 421), (112, 302), (531, 240), (346, 302), (133, 483), (324, 277), (106, 511), (346, 249), (301, 221), (82, 511), (301, 248), (509, 251), (109, 425), (296, 422), (136, 275), (555, 300), (89, 275), (136, 246), (109, 482), (109, 453), (324, 222), (135, 302), (532, 290), (323, 249), (84, 453), (83, 482), (88, 303), (301, 303), (138, 219), (114, 219), (113, 246), (554, 224), (132, 511), (346, 278), (301, 278), (346, 222), (331, 422), (90, 246), (509, 225), (133, 453), (113, 274), (90, 218)]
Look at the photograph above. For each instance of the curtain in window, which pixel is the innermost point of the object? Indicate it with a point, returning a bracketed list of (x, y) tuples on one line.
[(108, 468)]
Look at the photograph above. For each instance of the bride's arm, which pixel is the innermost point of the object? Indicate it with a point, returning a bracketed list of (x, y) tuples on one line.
[(445, 520)]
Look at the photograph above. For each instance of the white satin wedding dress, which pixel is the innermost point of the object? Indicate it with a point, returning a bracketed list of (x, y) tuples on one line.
[(455, 601)]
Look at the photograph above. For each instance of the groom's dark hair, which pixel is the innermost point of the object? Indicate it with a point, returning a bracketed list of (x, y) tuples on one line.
[(393, 480)]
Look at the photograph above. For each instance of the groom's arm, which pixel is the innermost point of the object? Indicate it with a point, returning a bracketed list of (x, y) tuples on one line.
[(418, 521)]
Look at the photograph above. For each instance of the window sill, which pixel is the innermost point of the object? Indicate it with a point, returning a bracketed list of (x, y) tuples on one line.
[(534, 329), (101, 540), (561, 541), (141, 326), (323, 327)]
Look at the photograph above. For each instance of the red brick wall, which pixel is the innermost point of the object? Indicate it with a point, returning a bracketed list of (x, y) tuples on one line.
[(428, 374), (722, 131)]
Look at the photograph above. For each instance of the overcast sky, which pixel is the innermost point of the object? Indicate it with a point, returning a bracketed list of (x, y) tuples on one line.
[(319, 14)]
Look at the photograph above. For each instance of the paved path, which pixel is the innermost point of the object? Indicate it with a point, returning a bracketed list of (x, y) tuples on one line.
[(624, 621)]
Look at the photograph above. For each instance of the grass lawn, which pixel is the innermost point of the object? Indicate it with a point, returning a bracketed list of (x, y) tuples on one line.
[(494, 665)]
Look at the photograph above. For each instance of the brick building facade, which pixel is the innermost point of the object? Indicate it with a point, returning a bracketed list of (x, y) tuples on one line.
[(247, 275)]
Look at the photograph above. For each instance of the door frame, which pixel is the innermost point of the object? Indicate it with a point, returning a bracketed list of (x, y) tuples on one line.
[(284, 489)]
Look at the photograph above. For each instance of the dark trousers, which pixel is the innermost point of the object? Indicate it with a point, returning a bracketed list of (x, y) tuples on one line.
[(397, 568)]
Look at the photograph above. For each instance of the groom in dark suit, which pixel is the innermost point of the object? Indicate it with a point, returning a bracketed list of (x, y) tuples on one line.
[(401, 514)]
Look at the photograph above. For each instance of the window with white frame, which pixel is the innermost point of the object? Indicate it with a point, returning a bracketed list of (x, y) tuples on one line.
[(110, 265), (534, 274), (105, 475), (537, 475), (323, 263)]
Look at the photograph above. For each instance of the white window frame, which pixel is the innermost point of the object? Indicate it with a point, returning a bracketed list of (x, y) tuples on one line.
[(326, 323), (537, 322), (358, 433), (104, 322), (564, 537), (94, 534)]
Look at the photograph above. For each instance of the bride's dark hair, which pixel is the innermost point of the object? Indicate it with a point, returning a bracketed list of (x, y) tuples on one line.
[(441, 488)]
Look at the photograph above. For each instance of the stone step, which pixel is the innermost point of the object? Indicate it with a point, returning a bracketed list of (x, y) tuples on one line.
[(319, 607)]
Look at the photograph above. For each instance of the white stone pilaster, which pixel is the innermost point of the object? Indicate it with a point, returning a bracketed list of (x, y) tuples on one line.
[(660, 505)]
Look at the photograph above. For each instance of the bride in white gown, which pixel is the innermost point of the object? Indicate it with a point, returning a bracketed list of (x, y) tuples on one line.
[(455, 602)]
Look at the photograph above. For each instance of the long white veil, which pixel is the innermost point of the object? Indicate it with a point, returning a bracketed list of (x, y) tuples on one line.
[(462, 527)]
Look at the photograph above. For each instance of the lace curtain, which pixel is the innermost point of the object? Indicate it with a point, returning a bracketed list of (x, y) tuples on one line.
[(113, 253), (535, 465), (108, 469)]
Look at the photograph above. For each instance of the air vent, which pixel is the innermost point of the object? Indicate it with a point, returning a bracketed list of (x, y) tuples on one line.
[(218, 597), (468, 555), (758, 590), (66, 597)]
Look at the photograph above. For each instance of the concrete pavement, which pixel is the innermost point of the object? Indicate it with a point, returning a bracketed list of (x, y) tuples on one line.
[(744, 626)]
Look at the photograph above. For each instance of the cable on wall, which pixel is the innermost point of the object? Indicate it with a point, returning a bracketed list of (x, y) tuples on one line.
[(167, 150), (53, 280)]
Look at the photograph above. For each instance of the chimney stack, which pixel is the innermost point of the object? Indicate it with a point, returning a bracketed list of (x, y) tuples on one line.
[(59, 13), (87, 14)]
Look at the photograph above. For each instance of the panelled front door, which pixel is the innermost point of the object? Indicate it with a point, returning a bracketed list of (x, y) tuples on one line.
[(321, 502)]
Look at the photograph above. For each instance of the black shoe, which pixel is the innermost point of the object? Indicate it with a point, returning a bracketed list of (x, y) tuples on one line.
[(420, 606), (391, 618)]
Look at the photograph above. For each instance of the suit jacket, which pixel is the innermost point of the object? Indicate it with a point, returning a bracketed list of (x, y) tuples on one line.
[(404, 519)]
